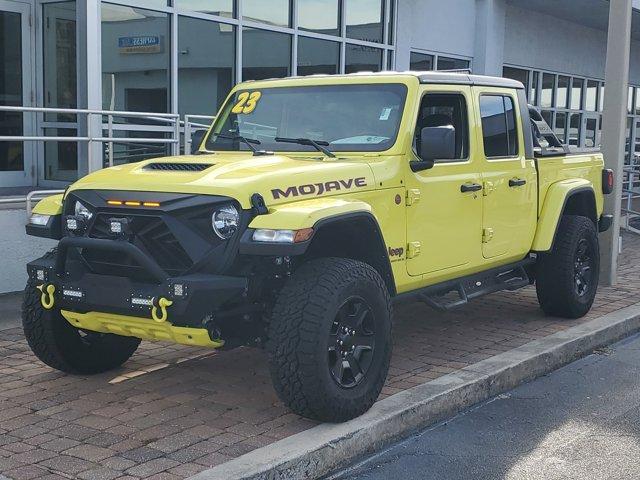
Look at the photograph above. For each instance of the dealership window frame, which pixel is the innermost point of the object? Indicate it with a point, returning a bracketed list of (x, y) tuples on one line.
[(435, 57), (174, 10)]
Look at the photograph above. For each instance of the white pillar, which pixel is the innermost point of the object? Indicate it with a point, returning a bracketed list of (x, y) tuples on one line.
[(94, 82), (614, 126), (489, 38)]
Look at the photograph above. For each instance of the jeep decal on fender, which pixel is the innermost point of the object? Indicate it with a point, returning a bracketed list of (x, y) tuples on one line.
[(319, 188)]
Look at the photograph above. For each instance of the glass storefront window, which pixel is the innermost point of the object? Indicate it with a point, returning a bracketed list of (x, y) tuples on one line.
[(518, 74), (320, 16), (591, 97), (560, 126), (630, 100), (59, 58), (359, 58), (11, 94), (576, 93), (591, 133), (274, 12), (223, 8), (447, 63), (135, 59), (61, 158), (562, 92), (318, 56), (204, 80), (534, 88), (546, 99), (420, 62), (601, 97), (265, 54), (637, 104), (364, 19), (575, 121)]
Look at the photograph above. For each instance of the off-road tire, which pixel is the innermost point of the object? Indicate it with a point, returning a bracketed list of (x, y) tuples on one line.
[(63, 347), (556, 270), (300, 330)]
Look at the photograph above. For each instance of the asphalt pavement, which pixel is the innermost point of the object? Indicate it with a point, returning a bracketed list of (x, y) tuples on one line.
[(579, 422)]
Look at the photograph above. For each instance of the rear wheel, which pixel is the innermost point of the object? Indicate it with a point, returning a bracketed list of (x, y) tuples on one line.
[(330, 339), (63, 347), (567, 277)]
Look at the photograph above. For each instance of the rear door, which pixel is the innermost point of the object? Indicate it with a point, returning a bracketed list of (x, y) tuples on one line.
[(509, 178)]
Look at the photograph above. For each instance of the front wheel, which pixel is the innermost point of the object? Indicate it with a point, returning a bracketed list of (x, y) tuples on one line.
[(330, 339), (567, 277), (63, 347)]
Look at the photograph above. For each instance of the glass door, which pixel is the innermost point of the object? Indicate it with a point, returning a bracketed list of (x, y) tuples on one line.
[(15, 90)]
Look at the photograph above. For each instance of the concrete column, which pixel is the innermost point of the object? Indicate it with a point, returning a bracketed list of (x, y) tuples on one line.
[(614, 126), (489, 45)]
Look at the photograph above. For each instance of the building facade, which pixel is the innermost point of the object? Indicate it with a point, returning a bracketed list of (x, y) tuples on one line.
[(182, 57)]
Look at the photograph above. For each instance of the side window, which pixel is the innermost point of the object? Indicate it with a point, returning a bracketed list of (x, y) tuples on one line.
[(499, 129), (441, 110)]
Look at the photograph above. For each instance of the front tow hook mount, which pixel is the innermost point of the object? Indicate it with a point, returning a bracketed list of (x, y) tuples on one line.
[(47, 299), (161, 304)]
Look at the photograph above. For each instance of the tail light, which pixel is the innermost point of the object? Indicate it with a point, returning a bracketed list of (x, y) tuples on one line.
[(607, 181)]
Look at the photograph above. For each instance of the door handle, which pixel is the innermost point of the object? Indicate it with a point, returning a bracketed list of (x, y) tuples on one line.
[(470, 187), (517, 182)]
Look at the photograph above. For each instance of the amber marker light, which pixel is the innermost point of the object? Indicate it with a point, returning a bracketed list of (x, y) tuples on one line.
[(131, 203), (303, 235), (114, 202), (151, 204)]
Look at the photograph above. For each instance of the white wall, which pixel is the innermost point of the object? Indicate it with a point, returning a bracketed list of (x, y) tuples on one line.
[(18, 249)]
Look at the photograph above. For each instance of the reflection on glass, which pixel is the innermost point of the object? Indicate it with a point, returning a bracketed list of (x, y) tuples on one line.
[(359, 58), (321, 16), (534, 88), (61, 158), (546, 98), (560, 126), (223, 8), (204, 80), (364, 19), (390, 21), (135, 59), (447, 63), (11, 153), (419, 62), (265, 54), (591, 97), (518, 74), (630, 100), (637, 104), (591, 133), (318, 56), (562, 93), (627, 143), (59, 58), (575, 121), (275, 12), (576, 93)]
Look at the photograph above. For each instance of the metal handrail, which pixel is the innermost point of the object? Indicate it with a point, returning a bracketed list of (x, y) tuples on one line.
[(188, 124)]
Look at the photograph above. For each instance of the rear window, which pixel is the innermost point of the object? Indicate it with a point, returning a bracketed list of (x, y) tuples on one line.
[(499, 131)]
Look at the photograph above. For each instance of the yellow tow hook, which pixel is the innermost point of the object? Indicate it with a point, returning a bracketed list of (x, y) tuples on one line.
[(46, 298), (163, 303)]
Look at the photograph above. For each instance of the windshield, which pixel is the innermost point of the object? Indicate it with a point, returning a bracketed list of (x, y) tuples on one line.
[(363, 117)]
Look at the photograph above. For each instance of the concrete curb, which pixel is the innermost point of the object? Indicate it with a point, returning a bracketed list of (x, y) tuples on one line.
[(318, 451)]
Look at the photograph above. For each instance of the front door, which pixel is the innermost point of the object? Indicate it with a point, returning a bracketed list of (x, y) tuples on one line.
[(15, 90), (509, 179), (445, 202)]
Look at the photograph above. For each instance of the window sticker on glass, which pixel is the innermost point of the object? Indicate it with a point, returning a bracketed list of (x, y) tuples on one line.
[(247, 102), (384, 115)]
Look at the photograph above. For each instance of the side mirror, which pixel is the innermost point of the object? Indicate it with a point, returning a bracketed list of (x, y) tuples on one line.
[(436, 143), (196, 140)]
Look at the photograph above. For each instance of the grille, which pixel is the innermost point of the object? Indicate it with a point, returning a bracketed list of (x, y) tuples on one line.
[(178, 167), (150, 234)]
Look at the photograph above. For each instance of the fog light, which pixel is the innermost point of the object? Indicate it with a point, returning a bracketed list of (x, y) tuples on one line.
[(178, 290), (72, 224), (40, 275), (68, 292), (37, 219), (116, 227), (141, 302)]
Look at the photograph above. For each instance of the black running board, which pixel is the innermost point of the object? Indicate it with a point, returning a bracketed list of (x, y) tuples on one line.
[(508, 277)]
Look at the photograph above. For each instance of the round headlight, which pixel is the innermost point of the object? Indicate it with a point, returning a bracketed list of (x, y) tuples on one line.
[(81, 210), (225, 221)]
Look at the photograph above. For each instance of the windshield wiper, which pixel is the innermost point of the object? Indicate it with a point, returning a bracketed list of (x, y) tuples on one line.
[(317, 144), (249, 142)]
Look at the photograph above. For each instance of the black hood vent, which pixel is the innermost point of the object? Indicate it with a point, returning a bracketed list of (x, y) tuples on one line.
[(178, 167)]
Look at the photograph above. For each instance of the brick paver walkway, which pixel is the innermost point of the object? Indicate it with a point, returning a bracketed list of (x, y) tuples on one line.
[(174, 411)]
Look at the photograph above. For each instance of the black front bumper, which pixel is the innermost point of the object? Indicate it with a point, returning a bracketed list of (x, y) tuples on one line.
[(195, 296)]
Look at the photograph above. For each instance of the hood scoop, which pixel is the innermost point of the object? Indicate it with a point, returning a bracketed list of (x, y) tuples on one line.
[(177, 167)]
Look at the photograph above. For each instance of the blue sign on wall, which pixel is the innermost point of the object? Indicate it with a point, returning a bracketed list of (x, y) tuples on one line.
[(140, 44)]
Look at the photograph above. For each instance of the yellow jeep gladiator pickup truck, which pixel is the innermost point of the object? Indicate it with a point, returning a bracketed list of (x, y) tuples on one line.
[(306, 209)]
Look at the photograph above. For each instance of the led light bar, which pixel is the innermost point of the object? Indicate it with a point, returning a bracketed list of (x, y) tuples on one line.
[(67, 292), (141, 302)]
